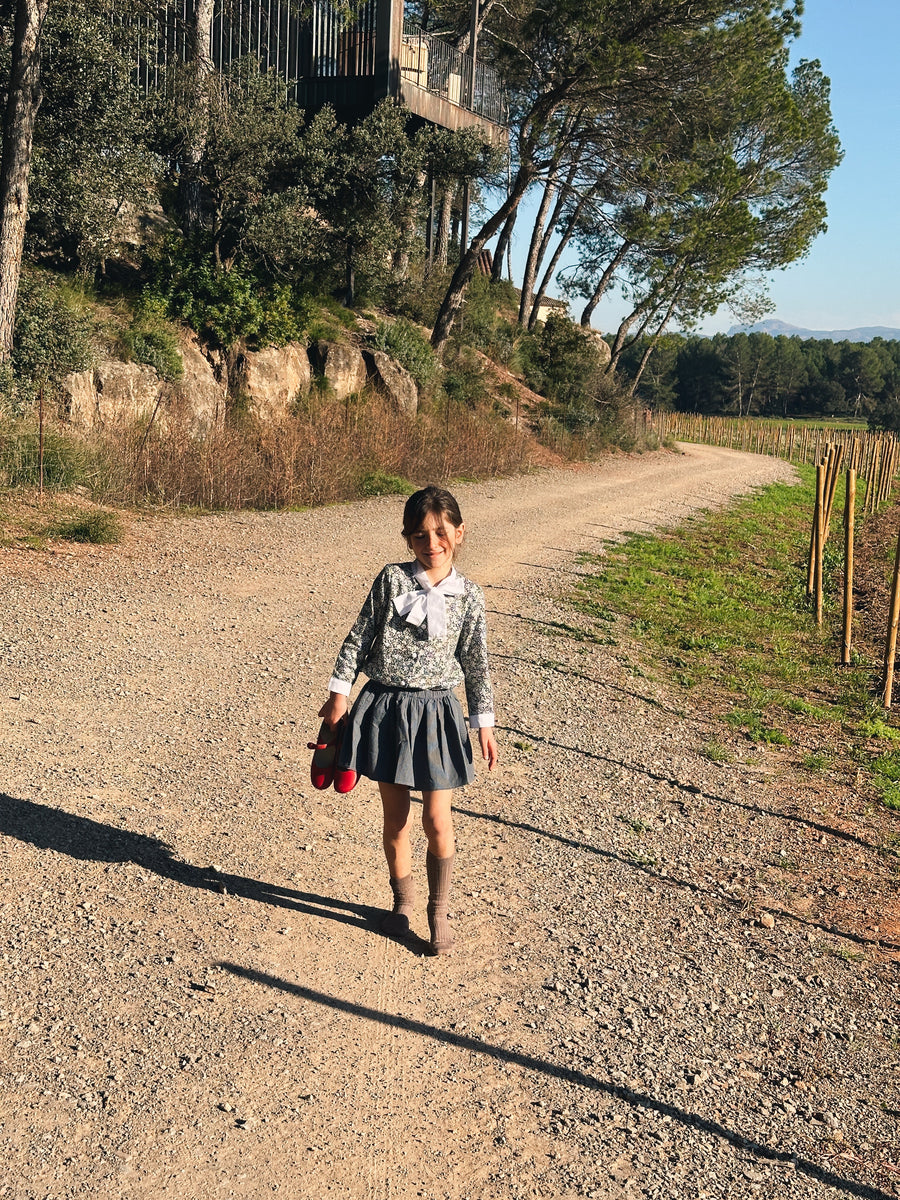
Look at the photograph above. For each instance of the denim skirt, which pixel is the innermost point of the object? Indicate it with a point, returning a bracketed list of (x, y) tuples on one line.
[(414, 737)]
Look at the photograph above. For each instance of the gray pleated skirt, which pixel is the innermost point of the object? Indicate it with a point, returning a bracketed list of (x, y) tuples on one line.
[(414, 737)]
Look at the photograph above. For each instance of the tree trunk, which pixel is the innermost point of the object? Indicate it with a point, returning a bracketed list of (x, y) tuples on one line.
[(453, 299), (604, 282), (408, 222), (463, 44), (564, 240), (445, 212), (22, 103), (645, 357), (503, 243), (531, 263), (189, 190)]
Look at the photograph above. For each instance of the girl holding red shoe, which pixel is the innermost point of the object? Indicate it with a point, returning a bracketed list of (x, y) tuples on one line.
[(421, 633)]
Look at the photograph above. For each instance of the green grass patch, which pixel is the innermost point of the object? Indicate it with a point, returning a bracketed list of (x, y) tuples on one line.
[(720, 605), (99, 528), (381, 483), (886, 775)]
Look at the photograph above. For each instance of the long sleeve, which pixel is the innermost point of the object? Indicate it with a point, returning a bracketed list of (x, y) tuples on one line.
[(472, 656), (359, 641)]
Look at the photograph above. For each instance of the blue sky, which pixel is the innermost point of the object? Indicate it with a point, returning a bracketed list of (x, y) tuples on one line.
[(851, 276)]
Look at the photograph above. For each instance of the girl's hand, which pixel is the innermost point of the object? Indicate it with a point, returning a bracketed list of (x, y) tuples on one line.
[(489, 751), (333, 709)]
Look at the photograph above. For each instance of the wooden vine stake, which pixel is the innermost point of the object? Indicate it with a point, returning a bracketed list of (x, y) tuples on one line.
[(811, 566), (849, 511), (835, 457), (890, 651), (41, 444), (819, 540)]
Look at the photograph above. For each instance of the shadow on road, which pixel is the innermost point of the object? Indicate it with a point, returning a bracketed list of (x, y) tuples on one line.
[(55, 829), (473, 1045)]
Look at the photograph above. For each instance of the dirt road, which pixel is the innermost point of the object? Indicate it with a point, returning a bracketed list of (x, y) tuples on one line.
[(194, 999)]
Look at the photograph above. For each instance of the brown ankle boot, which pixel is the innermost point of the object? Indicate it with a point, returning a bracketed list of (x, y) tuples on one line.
[(396, 922), (440, 872)]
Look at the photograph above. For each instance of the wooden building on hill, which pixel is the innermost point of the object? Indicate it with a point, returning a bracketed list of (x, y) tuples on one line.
[(327, 55)]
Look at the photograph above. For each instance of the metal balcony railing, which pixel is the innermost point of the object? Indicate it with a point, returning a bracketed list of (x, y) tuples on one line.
[(434, 64)]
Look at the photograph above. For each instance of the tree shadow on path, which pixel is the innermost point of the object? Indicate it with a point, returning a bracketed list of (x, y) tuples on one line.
[(568, 1075)]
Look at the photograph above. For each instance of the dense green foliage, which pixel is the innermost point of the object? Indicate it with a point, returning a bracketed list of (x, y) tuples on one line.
[(52, 339), (757, 374)]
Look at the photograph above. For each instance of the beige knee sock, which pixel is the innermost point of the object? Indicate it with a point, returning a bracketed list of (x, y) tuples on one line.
[(396, 922), (440, 872)]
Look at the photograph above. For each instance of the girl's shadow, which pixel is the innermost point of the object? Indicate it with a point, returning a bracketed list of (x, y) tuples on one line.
[(55, 829)]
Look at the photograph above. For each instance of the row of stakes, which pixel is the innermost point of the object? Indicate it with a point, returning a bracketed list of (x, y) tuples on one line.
[(827, 474)]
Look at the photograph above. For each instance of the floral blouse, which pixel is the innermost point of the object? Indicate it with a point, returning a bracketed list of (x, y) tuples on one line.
[(401, 651)]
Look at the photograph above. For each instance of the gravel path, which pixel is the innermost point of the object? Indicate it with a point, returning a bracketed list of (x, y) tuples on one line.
[(193, 999)]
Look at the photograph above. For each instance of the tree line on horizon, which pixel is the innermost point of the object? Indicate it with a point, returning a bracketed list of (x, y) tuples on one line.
[(758, 374), (671, 148)]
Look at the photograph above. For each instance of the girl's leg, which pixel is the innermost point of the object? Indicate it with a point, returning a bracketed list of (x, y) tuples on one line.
[(437, 821), (395, 804)]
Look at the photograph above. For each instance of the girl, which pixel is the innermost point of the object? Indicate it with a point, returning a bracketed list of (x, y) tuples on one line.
[(420, 633)]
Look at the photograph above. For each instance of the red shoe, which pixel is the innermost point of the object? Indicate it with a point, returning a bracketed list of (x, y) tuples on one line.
[(345, 780), (325, 747)]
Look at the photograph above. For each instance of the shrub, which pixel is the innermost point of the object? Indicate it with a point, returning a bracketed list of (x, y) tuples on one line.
[(156, 344), (52, 338), (412, 350), (464, 377), (561, 363), (381, 483), (100, 528), (228, 306)]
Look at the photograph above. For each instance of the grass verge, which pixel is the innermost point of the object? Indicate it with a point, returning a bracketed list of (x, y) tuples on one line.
[(720, 606)]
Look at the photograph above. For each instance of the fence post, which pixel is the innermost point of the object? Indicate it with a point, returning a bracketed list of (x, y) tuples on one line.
[(890, 650), (818, 582), (835, 457), (41, 444), (849, 513)]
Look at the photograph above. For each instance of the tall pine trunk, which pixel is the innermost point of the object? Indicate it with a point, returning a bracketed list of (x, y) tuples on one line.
[(445, 211), (532, 263), (503, 244), (453, 298), (22, 103), (201, 67)]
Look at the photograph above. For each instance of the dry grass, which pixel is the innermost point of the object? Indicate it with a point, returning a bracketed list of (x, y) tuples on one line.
[(328, 451)]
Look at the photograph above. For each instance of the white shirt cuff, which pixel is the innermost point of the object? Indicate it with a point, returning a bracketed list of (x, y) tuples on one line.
[(340, 686), (481, 721)]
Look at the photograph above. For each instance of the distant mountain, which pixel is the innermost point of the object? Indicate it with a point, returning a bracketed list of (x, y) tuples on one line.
[(781, 328)]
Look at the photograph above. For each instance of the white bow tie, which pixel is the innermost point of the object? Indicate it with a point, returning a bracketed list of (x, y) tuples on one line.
[(430, 602)]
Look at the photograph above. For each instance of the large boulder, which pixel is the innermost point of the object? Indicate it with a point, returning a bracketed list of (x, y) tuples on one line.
[(113, 393), (110, 393), (598, 342), (342, 365), (392, 381), (198, 397), (272, 379)]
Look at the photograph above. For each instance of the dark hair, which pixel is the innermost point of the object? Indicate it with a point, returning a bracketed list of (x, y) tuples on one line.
[(429, 500)]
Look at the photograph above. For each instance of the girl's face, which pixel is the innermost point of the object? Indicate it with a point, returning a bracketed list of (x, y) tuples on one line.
[(434, 544)]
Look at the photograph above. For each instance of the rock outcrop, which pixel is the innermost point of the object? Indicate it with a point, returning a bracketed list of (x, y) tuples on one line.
[(114, 393), (110, 393), (392, 381), (270, 380), (342, 365), (599, 343)]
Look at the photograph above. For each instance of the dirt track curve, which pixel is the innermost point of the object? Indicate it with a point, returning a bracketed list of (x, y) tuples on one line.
[(194, 998)]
